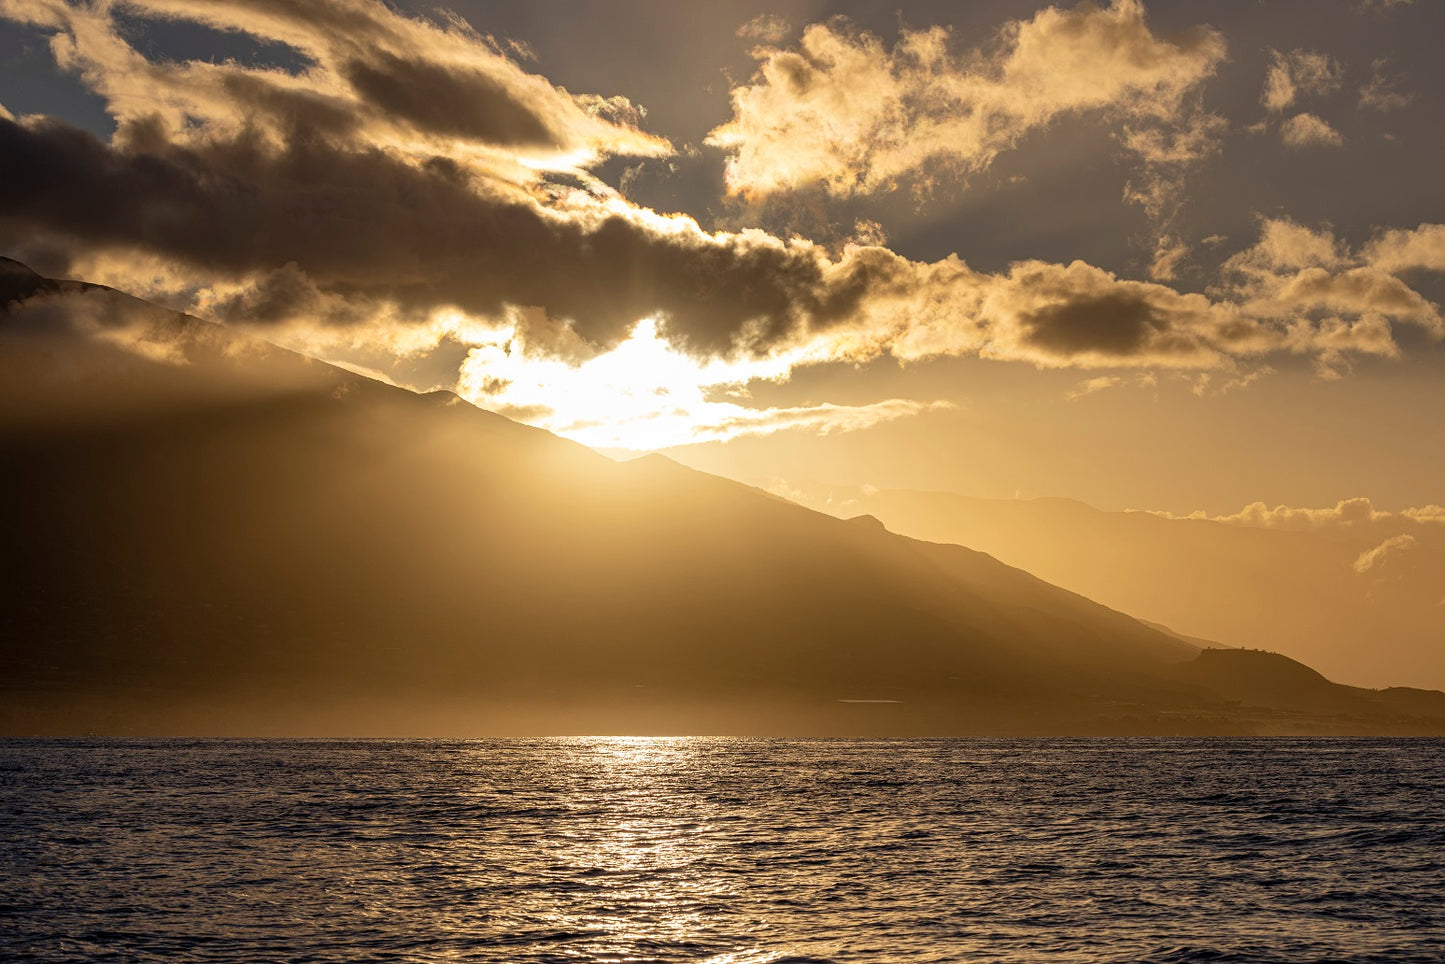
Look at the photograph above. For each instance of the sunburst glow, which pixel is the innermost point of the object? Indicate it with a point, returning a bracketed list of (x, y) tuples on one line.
[(645, 394)]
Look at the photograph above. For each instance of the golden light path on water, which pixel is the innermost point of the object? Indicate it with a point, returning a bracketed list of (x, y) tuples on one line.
[(653, 841)]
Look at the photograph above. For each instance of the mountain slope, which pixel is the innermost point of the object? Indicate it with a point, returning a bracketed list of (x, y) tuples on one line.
[(1316, 597), (216, 535)]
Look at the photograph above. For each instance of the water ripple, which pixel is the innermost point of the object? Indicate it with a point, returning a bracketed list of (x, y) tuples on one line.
[(723, 851)]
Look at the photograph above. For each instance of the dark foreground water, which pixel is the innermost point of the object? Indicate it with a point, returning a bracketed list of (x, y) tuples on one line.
[(721, 850)]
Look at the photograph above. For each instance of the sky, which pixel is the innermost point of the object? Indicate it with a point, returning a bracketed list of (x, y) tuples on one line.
[(1183, 257)]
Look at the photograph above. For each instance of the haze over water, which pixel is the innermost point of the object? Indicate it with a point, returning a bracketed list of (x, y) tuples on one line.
[(723, 850)]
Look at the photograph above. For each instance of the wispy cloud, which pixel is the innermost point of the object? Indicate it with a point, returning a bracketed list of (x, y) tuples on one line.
[(1377, 557), (1382, 92), (1297, 75), (766, 28)]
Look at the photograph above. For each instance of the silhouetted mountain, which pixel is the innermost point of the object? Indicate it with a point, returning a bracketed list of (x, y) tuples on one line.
[(1333, 599), (1255, 677), (212, 534)]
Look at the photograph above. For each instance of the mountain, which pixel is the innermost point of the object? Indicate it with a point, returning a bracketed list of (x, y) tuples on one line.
[(1363, 602), (210, 534)]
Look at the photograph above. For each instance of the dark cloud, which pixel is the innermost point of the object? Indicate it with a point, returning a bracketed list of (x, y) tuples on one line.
[(285, 294), (63, 179), (1115, 324), (292, 109), (455, 102), (364, 222)]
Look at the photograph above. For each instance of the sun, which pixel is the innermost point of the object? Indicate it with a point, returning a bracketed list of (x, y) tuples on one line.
[(642, 395)]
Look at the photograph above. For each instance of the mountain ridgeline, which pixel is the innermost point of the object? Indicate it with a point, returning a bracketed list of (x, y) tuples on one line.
[(1359, 599), (210, 534)]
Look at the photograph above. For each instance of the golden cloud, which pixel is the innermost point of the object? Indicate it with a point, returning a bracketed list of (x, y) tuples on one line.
[(1358, 513), (1400, 250), (1377, 557), (1297, 74), (1307, 130), (402, 84), (843, 111)]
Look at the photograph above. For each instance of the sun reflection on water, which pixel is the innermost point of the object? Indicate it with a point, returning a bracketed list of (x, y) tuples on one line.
[(651, 856), (626, 841)]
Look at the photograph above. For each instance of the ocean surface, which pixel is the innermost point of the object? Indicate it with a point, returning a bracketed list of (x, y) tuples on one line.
[(729, 851)]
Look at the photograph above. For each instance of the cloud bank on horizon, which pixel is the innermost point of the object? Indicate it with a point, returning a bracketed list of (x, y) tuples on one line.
[(405, 188)]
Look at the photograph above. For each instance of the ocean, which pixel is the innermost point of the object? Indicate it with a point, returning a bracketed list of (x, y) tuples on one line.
[(727, 851)]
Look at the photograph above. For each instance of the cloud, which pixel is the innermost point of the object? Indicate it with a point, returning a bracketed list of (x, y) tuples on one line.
[(766, 28), (1380, 94), (1307, 130), (1286, 245), (1101, 383), (1298, 74), (1050, 315), (422, 235), (1098, 384), (823, 419), (410, 189), (281, 295), (1333, 342), (1167, 154), (1400, 250), (1081, 315), (1207, 384), (399, 244), (842, 111), (1333, 301), (1354, 516), (88, 333), (1359, 291), (450, 101), (1378, 556), (397, 82)]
